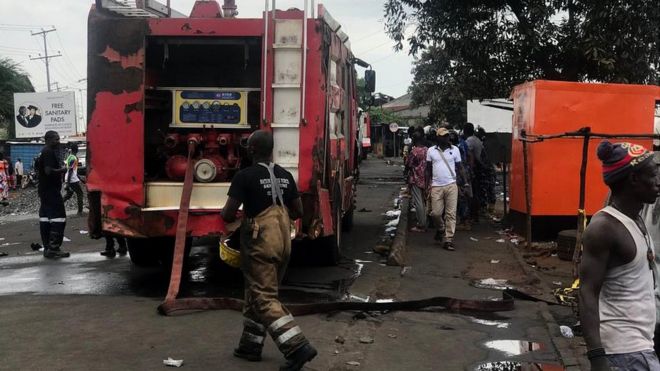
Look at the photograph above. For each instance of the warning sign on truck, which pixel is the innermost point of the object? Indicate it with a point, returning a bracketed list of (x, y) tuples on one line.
[(209, 108)]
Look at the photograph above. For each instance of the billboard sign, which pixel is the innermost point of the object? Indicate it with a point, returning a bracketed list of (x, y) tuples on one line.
[(37, 113)]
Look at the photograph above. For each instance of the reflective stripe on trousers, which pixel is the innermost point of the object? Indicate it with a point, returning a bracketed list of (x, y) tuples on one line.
[(265, 251), (253, 337)]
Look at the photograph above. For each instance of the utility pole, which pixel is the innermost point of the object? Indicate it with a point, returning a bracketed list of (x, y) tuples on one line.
[(45, 57), (83, 121)]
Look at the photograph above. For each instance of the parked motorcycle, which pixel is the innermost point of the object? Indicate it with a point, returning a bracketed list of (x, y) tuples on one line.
[(30, 179)]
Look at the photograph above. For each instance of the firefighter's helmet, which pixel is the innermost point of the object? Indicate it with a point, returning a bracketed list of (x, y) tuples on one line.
[(231, 257)]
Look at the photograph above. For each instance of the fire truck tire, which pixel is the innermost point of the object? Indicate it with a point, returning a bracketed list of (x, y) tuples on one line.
[(331, 245), (330, 250), (347, 221), (165, 251), (143, 251)]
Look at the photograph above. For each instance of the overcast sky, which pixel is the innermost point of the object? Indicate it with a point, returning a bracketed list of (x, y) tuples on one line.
[(362, 20)]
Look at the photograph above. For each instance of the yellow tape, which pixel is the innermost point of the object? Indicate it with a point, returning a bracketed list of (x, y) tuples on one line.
[(568, 295)]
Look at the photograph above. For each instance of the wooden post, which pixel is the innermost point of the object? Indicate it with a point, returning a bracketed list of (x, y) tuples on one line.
[(582, 215), (504, 184), (528, 195)]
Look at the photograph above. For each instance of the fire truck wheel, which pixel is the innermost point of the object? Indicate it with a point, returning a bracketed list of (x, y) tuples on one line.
[(331, 245), (330, 250), (165, 251), (347, 221), (143, 251)]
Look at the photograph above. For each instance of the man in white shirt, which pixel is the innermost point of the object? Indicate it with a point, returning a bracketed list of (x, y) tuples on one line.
[(443, 160), (72, 180), (18, 169)]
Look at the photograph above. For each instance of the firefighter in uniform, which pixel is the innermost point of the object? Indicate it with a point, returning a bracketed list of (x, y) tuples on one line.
[(52, 216), (270, 201)]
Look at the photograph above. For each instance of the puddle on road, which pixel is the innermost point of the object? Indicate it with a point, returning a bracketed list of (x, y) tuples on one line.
[(518, 366), (486, 322), (198, 275), (203, 276), (514, 347), (491, 283), (297, 291)]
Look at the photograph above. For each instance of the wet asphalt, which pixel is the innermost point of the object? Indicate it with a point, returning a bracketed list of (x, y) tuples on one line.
[(26, 279), (88, 273)]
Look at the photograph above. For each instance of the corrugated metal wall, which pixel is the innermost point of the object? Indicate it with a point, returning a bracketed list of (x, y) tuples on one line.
[(26, 152)]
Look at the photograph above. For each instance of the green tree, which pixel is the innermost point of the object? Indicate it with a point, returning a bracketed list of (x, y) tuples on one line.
[(364, 97), (12, 80), (474, 49), (380, 116)]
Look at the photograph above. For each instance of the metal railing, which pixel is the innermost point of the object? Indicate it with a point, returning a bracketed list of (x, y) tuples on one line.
[(138, 8)]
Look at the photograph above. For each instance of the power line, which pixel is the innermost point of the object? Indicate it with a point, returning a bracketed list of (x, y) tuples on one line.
[(385, 57), (18, 49), (17, 63), (46, 57), (374, 48), (66, 56), (64, 74), (33, 26), (12, 52), (366, 37)]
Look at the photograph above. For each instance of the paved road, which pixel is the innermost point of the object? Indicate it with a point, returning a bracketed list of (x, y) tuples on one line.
[(89, 312)]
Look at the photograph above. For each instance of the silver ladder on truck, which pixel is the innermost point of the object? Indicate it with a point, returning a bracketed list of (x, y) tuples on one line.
[(288, 86)]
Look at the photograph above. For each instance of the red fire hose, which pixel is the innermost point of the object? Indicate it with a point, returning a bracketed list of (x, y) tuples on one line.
[(181, 227), (172, 304)]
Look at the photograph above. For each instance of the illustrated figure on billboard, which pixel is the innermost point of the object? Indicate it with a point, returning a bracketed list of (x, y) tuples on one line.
[(22, 117), (34, 118), (36, 113)]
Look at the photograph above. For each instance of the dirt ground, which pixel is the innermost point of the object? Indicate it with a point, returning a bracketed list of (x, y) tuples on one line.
[(26, 202)]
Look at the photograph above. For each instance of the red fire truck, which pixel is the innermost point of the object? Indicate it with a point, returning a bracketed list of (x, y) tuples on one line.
[(159, 81)]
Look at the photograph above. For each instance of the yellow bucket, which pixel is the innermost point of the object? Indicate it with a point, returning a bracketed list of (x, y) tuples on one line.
[(230, 256)]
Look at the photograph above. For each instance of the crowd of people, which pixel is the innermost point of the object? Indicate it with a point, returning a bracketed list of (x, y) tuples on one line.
[(11, 176), (450, 178)]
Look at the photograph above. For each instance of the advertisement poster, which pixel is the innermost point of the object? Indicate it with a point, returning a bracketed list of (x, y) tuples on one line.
[(37, 113)]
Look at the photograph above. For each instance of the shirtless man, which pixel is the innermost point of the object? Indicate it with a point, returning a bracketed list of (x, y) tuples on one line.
[(617, 306)]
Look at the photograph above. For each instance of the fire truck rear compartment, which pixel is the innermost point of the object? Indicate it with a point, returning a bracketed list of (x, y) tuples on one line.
[(205, 89)]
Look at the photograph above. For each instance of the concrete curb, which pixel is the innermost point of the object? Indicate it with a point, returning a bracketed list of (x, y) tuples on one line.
[(567, 353), (398, 250)]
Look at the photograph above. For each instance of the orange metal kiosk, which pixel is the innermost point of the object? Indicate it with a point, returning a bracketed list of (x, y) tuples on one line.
[(552, 107)]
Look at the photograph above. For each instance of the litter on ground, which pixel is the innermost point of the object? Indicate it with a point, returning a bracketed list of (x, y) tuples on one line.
[(393, 213), (491, 283), (393, 223), (173, 362), (566, 332), (366, 340)]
